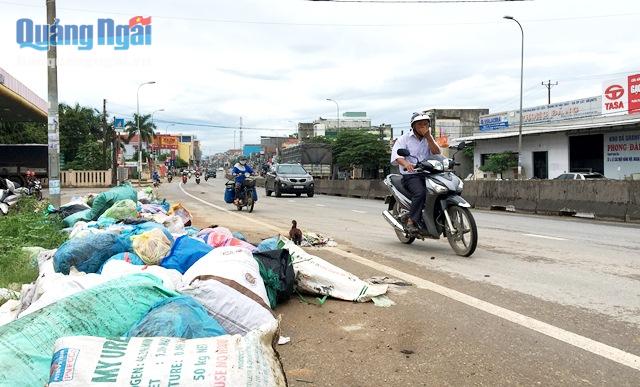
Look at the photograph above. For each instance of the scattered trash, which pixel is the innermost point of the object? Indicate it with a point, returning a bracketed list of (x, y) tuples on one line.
[(120, 210), (407, 352), (105, 200), (388, 281), (382, 301), (282, 340), (89, 253), (184, 253), (183, 213), (277, 273), (314, 239), (151, 246), (317, 276)]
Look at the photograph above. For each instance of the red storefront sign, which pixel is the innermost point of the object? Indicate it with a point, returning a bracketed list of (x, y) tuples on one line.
[(634, 93)]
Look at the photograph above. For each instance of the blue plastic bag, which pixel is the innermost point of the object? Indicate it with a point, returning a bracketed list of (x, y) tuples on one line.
[(132, 258), (88, 254), (185, 252), (268, 244), (177, 317), (147, 226)]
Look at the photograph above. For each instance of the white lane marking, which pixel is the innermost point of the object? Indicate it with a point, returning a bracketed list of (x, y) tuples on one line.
[(589, 345), (545, 237), (291, 201), (582, 342), (321, 205), (359, 212)]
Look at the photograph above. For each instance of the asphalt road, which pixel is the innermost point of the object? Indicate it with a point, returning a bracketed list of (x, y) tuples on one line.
[(543, 301), (568, 261)]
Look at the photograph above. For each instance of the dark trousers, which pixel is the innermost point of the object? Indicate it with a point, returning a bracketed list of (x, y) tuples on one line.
[(415, 184)]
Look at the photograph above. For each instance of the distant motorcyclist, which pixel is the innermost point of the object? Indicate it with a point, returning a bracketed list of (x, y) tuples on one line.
[(421, 145), (239, 171)]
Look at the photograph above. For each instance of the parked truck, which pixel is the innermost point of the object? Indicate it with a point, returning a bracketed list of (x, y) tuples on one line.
[(315, 158), (16, 160)]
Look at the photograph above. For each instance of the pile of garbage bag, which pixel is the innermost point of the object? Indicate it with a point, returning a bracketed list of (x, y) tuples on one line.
[(9, 195), (136, 280)]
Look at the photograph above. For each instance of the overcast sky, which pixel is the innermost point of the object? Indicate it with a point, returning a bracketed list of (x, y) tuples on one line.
[(274, 62)]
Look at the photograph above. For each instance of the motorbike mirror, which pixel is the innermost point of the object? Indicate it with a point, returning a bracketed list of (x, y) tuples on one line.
[(461, 145), (404, 152)]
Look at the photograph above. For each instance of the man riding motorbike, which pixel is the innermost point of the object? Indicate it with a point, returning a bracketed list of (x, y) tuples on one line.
[(421, 145), (239, 171)]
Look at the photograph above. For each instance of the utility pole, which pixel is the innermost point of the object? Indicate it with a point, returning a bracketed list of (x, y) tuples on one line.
[(115, 144), (53, 117), (549, 85), (240, 128)]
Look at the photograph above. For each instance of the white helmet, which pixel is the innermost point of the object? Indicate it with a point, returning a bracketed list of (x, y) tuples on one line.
[(420, 117)]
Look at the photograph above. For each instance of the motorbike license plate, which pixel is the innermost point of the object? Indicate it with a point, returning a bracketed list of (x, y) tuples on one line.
[(298, 186)]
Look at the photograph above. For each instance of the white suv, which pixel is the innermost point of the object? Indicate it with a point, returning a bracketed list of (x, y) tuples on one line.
[(580, 176)]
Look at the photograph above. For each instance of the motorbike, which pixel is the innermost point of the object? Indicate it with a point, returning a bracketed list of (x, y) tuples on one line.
[(445, 211), (247, 195), (35, 188), (184, 179), (169, 178), (197, 179)]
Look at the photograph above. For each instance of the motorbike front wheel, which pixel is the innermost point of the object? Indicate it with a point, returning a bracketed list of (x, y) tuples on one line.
[(402, 237), (464, 238), (39, 195), (250, 203)]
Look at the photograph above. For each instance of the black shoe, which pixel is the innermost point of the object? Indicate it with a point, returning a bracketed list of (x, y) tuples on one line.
[(412, 228)]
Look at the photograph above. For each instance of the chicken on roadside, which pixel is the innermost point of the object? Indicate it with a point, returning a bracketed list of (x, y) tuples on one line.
[(295, 234)]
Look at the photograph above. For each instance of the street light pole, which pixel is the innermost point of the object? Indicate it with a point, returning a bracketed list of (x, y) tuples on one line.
[(338, 109), (521, 84), (139, 133)]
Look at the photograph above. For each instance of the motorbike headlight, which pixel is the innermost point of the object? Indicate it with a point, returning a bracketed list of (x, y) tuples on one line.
[(440, 189), (436, 164), (460, 185)]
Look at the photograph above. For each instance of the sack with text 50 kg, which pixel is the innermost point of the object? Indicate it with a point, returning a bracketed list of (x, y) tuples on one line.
[(248, 361)]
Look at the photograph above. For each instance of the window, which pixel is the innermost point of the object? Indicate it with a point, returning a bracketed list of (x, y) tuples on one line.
[(291, 170)]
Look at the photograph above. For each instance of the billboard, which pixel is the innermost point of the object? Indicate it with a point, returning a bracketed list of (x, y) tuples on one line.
[(622, 154), (494, 122), (163, 141), (248, 150), (621, 96)]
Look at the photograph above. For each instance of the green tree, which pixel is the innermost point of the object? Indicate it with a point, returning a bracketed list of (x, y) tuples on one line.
[(181, 163), (360, 148), (78, 125), (89, 157), (500, 162), (23, 132), (146, 128), (318, 140)]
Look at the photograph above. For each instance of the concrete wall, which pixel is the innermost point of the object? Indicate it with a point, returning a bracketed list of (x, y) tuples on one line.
[(556, 145), (605, 199)]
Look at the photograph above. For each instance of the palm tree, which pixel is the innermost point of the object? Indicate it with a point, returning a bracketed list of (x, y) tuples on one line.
[(146, 128)]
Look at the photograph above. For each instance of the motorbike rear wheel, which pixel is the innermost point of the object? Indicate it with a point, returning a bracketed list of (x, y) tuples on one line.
[(402, 237), (39, 195), (464, 238)]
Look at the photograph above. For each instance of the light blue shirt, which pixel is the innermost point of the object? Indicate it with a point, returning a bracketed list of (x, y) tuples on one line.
[(418, 148)]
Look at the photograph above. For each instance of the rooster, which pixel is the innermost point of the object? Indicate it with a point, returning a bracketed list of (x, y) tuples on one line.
[(295, 234)]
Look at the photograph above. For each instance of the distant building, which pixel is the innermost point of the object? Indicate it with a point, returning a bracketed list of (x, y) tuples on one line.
[(329, 127)]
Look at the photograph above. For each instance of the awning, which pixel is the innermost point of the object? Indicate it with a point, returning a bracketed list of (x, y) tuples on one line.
[(582, 124)]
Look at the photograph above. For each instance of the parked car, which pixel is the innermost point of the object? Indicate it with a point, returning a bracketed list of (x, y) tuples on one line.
[(288, 178), (580, 176)]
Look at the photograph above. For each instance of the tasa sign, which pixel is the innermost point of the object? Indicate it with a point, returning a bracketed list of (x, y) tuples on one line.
[(621, 96)]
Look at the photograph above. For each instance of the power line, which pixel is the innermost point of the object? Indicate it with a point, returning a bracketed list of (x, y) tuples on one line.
[(418, 1), (205, 125), (398, 25)]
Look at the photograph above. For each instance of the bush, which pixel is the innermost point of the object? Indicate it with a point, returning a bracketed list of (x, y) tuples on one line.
[(26, 225)]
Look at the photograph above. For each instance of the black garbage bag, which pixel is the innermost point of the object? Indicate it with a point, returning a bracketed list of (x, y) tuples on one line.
[(276, 264)]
